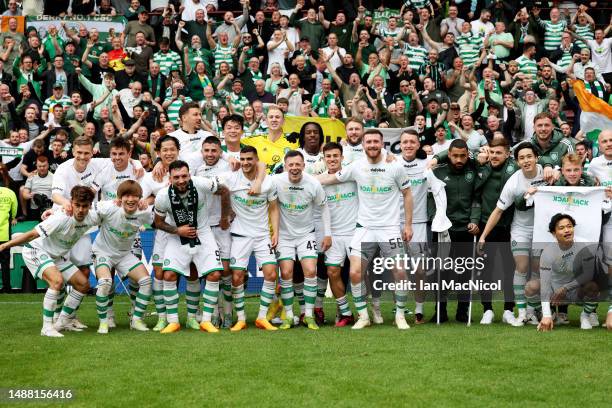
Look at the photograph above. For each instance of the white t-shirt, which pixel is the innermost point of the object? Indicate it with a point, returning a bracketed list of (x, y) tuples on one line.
[(601, 168), (221, 167), (601, 55), (414, 171), (251, 210), (150, 187), (516, 186), (379, 190), (66, 176), (297, 202), (118, 230), (60, 232), (343, 206), (336, 60), (205, 187), (351, 153), (277, 55), (190, 142), (437, 147), (108, 180), (22, 149)]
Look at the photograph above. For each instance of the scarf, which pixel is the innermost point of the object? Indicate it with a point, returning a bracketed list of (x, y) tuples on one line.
[(185, 215), (157, 88), (598, 88)]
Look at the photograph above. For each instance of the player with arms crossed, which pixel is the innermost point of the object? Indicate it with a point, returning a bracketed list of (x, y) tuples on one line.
[(251, 234), (518, 185), (378, 185), (567, 269), (298, 194), (187, 204), (46, 258), (120, 222)]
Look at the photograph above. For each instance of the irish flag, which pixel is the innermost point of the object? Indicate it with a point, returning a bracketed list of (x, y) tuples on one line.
[(596, 113)]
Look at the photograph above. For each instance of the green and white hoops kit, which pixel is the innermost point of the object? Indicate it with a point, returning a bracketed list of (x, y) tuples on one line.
[(205, 256), (297, 202), (57, 236), (250, 229), (222, 237), (343, 205), (521, 230), (379, 189), (118, 230)]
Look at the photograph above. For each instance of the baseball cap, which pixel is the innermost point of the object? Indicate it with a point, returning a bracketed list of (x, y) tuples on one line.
[(129, 62)]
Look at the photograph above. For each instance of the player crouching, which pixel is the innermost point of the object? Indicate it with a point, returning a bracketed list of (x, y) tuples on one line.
[(566, 274), (119, 224), (45, 257)]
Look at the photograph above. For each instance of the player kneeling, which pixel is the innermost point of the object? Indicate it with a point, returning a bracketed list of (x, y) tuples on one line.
[(46, 258), (120, 222), (566, 274)]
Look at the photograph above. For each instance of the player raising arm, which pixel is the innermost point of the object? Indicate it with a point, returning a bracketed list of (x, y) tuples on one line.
[(45, 254)]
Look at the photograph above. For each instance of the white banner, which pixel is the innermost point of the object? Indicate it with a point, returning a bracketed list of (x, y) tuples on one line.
[(391, 138), (582, 203), (102, 23)]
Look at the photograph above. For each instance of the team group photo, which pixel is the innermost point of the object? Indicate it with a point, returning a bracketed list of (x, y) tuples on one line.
[(396, 189)]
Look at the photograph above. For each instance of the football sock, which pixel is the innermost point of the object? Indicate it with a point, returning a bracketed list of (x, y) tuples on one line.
[(358, 292), (158, 297), (287, 297), (171, 300), (310, 294), (321, 288), (102, 292), (192, 297), (265, 298), (343, 305), (210, 297), (142, 297), (49, 306), (518, 284), (238, 295)]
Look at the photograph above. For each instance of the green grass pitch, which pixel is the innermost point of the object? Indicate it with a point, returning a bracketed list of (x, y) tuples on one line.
[(426, 366)]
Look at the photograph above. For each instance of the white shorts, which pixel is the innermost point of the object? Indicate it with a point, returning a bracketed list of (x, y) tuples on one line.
[(159, 247), (38, 260), (367, 241), (224, 241), (339, 251), (123, 264), (522, 240), (607, 243), (80, 254), (206, 256), (242, 247), (305, 247), (418, 245)]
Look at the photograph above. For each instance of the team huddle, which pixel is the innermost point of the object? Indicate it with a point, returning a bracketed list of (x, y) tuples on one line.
[(328, 207)]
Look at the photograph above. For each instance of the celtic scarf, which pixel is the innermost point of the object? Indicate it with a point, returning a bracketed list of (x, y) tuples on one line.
[(185, 215), (599, 91)]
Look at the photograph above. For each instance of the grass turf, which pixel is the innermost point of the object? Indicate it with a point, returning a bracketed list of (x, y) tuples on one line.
[(452, 365)]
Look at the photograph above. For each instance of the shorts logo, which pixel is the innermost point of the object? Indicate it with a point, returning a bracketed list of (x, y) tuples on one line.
[(156, 257), (469, 176), (43, 257), (513, 243), (166, 262), (232, 261)]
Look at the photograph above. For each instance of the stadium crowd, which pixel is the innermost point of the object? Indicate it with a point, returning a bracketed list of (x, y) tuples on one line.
[(183, 110)]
